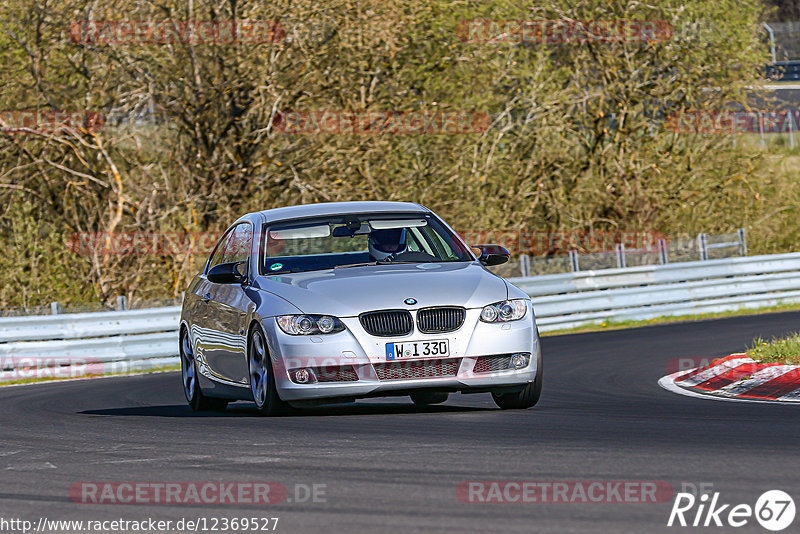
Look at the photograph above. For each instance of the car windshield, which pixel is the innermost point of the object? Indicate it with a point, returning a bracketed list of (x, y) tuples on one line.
[(354, 240)]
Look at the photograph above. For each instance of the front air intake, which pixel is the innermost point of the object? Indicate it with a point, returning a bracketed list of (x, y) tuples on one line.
[(489, 364), (409, 370)]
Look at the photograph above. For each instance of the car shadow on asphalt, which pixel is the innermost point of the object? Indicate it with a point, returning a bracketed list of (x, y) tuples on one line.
[(244, 409)]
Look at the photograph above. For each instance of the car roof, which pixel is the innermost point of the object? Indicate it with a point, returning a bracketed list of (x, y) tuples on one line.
[(324, 209)]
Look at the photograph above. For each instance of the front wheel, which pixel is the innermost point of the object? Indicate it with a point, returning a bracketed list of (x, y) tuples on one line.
[(262, 379), (527, 397), (191, 389)]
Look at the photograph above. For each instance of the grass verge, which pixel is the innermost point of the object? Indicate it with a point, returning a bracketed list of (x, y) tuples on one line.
[(784, 351), (19, 381)]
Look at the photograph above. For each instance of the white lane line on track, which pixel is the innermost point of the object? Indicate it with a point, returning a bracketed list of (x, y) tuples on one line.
[(759, 377), (668, 383), (136, 460), (172, 458), (31, 467), (254, 460), (713, 372)]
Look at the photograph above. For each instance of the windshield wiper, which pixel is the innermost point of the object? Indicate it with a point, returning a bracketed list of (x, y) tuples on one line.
[(356, 265), (379, 262)]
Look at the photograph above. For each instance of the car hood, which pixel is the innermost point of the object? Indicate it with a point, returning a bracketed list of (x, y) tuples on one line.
[(347, 292)]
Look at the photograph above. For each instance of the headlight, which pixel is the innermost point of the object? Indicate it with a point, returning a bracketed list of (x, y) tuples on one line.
[(501, 312), (309, 325)]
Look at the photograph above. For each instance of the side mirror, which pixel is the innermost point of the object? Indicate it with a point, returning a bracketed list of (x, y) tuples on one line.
[(493, 254), (226, 273)]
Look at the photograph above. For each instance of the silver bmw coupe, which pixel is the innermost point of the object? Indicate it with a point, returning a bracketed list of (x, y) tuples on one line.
[(332, 302)]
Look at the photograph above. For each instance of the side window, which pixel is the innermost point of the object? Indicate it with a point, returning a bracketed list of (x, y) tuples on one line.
[(238, 246), (216, 258), (234, 247)]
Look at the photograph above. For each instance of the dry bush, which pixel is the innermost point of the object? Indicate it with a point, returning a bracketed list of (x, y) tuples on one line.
[(577, 139)]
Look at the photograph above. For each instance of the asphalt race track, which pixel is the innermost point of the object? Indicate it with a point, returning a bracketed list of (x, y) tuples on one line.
[(388, 466)]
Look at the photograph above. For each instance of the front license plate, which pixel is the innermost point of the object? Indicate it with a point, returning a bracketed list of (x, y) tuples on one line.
[(435, 348)]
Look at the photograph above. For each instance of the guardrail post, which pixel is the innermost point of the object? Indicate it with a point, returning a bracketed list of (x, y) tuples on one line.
[(525, 265), (702, 247), (771, 42), (573, 261), (742, 242), (662, 251), (620, 247), (122, 303), (55, 308)]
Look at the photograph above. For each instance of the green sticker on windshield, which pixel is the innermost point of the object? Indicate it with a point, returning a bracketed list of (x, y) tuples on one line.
[(276, 267)]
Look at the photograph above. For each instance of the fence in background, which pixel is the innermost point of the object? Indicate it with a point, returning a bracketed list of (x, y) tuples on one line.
[(784, 46), (702, 248), (784, 40), (77, 344)]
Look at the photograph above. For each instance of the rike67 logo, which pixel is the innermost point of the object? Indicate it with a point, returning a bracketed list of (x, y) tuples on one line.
[(774, 510)]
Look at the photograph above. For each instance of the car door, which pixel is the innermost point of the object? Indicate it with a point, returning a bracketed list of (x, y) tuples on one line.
[(204, 325), (226, 343)]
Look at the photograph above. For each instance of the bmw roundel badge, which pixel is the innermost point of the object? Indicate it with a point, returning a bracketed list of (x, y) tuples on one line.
[(410, 301)]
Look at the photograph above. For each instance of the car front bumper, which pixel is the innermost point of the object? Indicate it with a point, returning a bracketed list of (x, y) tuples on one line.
[(366, 356)]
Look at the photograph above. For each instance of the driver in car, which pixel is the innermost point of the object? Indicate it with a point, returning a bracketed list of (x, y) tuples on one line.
[(387, 244), (392, 245)]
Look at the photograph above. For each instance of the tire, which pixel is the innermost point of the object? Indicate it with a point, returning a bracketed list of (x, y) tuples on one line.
[(424, 398), (191, 389), (527, 397), (262, 377)]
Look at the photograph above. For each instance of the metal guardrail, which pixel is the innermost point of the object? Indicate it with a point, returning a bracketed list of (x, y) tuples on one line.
[(85, 325), (784, 71), (97, 343), (80, 344), (570, 300)]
